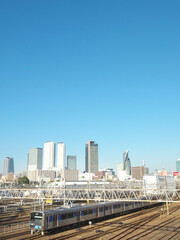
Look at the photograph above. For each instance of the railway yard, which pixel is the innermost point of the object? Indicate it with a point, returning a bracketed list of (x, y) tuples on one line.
[(151, 223)]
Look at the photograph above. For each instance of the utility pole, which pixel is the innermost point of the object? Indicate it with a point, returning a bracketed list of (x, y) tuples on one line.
[(167, 206)]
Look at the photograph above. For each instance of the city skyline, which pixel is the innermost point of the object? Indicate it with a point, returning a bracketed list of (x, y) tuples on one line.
[(78, 70), (54, 158)]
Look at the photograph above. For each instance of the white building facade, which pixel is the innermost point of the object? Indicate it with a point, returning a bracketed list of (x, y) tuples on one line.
[(61, 155), (49, 156)]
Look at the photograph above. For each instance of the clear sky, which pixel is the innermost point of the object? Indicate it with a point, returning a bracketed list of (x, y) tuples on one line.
[(101, 70)]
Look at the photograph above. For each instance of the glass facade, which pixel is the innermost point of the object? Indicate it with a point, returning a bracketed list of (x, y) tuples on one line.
[(8, 166), (126, 163), (35, 159), (71, 162), (178, 165), (91, 158)]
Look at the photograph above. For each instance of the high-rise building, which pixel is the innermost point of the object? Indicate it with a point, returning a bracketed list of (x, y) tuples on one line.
[(178, 165), (71, 162), (138, 172), (35, 159), (8, 166), (61, 155), (91, 157), (49, 156), (126, 163)]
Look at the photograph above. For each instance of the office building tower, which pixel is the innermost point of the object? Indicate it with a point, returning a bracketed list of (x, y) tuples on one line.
[(126, 163), (35, 159), (8, 166), (138, 172), (91, 157), (49, 156), (61, 154), (178, 165), (71, 162)]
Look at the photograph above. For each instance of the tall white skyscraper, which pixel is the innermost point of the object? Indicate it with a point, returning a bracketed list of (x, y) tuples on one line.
[(61, 154), (35, 159), (49, 155)]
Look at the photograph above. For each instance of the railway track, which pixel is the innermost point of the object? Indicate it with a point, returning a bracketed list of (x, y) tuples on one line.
[(119, 227), (143, 234), (95, 227), (123, 229), (14, 235)]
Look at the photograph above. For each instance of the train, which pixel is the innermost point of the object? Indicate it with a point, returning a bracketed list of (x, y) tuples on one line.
[(48, 220)]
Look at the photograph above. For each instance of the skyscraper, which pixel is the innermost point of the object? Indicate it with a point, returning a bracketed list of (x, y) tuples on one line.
[(71, 162), (8, 166), (91, 157), (35, 159), (178, 165), (61, 154), (126, 163), (49, 155)]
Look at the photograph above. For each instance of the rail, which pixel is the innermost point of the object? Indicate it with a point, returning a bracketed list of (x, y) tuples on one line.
[(14, 227)]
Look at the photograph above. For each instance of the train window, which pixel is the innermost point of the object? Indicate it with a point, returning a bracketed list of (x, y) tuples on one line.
[(118, 206), (101, 209), (36, 216), (75, 214), (85, 212), (50, 219), (94, 210), (70, 215), (64, 216), (90, 211), (82, 213), (59, 217), (114, 206), (106, 208)]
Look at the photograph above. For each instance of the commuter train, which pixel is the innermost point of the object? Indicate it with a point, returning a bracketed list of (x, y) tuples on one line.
[(44, 221)]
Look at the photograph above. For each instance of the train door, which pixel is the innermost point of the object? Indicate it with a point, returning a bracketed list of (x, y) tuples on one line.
[(78, 216), (46, 223), (96, 212), (111, 209), (54, 220), (50, 221)]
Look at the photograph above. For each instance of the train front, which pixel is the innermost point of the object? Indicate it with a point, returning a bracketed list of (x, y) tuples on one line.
[(36, 222)]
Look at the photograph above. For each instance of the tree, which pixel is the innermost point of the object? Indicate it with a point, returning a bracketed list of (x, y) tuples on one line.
[(23, 180)]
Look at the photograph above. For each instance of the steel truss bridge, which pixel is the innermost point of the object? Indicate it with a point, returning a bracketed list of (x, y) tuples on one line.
[(89, 194)]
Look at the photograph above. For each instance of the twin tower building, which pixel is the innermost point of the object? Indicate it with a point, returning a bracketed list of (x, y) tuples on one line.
[(49, 155), (37, 159)]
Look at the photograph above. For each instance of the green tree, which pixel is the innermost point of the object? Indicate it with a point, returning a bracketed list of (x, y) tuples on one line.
[(23, 180)]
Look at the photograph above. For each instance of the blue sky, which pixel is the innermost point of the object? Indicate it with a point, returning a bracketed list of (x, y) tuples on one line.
[(100, 70)]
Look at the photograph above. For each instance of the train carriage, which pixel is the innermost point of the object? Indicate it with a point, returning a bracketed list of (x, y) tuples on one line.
[(44, 221)]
